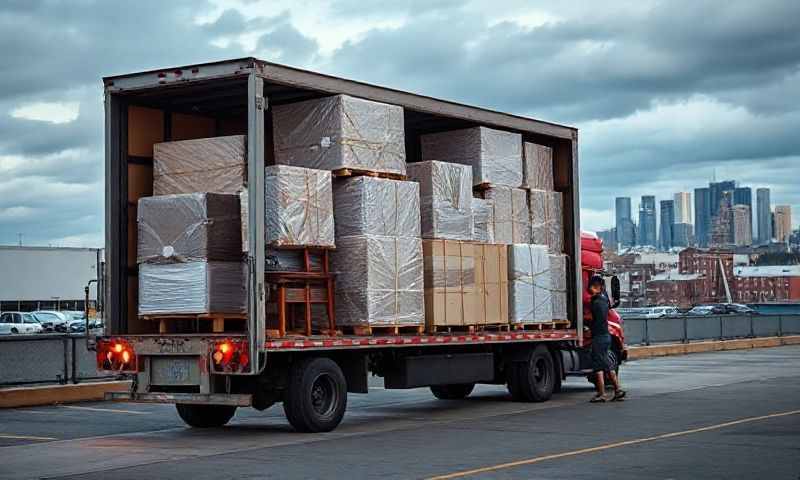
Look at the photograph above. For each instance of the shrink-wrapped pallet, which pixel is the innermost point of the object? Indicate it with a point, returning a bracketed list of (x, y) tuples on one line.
[(379, 281), (466, 283), (298, 207), (445, 191), (192, 288), (189, 227), (511, 216), (495, 155), (340, 132), (216, 164), (483, 220), (529, 293), (537, 166), (558, 284), (547, 224), (376, 206)]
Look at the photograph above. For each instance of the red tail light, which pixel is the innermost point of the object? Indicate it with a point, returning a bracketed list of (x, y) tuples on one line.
[(116, 355), (230, 356)]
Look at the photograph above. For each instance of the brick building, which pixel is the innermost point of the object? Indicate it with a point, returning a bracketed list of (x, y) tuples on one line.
[(682, 290), (780, 283)]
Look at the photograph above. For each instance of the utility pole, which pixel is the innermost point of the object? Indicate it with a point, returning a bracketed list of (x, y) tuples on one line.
[(19, 238)]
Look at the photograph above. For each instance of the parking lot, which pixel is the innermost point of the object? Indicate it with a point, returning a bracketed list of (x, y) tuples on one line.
[(716, 415)]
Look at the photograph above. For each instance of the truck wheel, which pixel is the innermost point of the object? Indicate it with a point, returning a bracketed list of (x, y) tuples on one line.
[(452, 392), (534, 379), (316, 396), (205, 416)]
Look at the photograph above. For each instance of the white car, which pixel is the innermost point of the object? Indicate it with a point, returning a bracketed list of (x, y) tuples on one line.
[(19, 322), (52, 320), (661, 312)]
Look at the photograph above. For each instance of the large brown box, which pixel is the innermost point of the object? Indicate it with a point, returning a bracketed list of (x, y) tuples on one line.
[(466, 284), (217, 164)]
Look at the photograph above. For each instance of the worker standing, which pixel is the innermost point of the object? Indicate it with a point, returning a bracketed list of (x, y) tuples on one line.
[(601, 342)]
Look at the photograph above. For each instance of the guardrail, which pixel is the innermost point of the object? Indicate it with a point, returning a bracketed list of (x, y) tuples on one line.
[(46, 358), (685, 329)]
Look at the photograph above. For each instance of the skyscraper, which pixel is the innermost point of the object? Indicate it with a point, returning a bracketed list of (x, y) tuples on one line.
[(683, 207), (783, 223), (702, 216), (647, 221), (743, 196), (667, 221), (742, 225), (624, 222), (682, 235), (763, 216), (722, 223), (717, 189)]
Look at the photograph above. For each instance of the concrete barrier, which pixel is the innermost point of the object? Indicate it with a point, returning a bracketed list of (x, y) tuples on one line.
[(56, 394), (650, 351)]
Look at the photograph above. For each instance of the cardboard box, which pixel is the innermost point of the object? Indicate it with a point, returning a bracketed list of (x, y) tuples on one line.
[(298, 207), (529, 293), (483, 220), (495, 155), (537, 166), (445, 199), (340, 132), (558, 285), (216, 164), (511, 216), (192, 288), (376, 206), (547, 219)]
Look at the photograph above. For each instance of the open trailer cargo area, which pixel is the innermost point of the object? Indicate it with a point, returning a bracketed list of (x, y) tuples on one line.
[(381, 232)]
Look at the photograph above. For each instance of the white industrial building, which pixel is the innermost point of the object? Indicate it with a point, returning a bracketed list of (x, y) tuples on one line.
[(47, 278)]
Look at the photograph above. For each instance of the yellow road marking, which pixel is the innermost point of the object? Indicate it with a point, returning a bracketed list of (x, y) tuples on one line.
[(609, 446), (24, 437), (112, 410)]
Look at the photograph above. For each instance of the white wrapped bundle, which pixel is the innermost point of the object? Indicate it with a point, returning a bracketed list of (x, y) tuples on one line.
[(376, 206), (511, 217), (298, 207), (340, 132), (529, 293), (192, 288), (546, 212), (495, 155), (483, 224), (217, 164), (445, 199), (537, 166), (558, 279)]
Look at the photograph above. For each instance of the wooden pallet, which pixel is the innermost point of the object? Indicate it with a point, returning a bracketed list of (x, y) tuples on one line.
[(452, 328), (354, 172), (191, 323), (555, 325), (382, 330), (497, 327)]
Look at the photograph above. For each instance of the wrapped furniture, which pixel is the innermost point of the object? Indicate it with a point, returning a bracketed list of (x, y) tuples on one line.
[(445, 191), (216, 164), (339, 132), (558, 284), (511, 216), (495, 155), (201, 287), (376, 206), (531, 284), (483, 220), (547, 214), (537, 166), (298, 207)]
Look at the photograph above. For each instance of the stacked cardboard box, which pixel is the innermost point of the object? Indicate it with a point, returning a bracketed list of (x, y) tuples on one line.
[(546, 213), (378, 259), (298, 207), (531, 283), (340, 132), (537, 166), (495, 155), (511, 217), (445, 199), (192, 288), (483, 220), (465, 284), (558, 292)]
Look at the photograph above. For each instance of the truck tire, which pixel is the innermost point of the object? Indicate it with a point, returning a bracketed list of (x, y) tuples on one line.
[(534, 379), (205, 416), (316, 395), (452, 392)]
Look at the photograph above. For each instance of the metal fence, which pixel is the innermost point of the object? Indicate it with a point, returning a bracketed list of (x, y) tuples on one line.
[(646, 331), (57, 358)]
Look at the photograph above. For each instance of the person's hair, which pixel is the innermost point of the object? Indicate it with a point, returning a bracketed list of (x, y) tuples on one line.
[(596, 280)]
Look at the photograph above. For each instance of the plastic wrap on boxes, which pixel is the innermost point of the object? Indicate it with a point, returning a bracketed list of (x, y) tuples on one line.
[(547, 227), (340, 132), (379, 281), (376, 206), (298, 207), (483, 220), (558, 279), (511, 217), (495, 155), (529, 293), (291, 260), (217, 164), (192, 288), (189, 227), (445, 193), (537, 166)]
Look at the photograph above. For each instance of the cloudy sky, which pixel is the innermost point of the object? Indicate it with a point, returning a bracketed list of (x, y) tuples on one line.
[(666, 94)]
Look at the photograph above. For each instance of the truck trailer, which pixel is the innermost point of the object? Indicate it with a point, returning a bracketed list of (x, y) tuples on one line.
[(209, 375)]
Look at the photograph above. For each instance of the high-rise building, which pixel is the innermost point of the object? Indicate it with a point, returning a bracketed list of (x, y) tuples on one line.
[(716, 190), (609, 238), (783, 223), (742, 225), (624, 222), (722, 223), (647, 221), (667, 221), (763, 217), (682, 235), (702, 216), (683, 207), (743, 196)]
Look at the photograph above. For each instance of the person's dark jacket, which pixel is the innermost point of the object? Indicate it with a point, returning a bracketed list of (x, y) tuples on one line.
[(600, 306)]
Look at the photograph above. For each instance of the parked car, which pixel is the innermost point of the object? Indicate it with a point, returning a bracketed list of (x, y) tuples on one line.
[(662, 312), (51, 320), (19, 322), (734, 308), (702, 310)]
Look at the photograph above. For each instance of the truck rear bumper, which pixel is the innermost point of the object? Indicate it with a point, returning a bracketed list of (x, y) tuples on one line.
[(233, 399)]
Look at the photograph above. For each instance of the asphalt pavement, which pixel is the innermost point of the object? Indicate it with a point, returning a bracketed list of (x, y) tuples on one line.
[(732, 414)]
